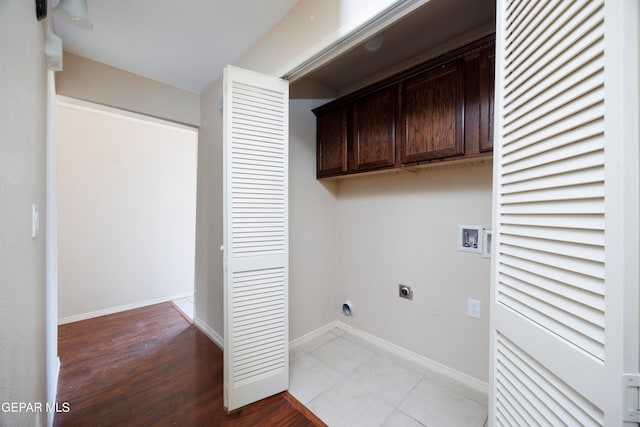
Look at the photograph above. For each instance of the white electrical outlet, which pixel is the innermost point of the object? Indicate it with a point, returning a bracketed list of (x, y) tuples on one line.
[(473, 308)]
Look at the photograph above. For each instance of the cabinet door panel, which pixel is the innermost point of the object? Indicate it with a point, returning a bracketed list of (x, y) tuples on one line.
[(472, 103), (487, 85), (374, 130), (433, 115), (331, 141)]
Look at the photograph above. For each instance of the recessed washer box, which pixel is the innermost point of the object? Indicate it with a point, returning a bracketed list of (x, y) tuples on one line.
[(470, 238)]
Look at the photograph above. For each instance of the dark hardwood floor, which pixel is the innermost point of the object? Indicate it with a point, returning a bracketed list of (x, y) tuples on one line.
[(150, 367)]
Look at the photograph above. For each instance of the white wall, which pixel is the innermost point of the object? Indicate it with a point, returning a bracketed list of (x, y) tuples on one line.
[(310, 27), (93, 81), (312, 228), (402, 228), (23, 91), (209, 268), (127, 187)]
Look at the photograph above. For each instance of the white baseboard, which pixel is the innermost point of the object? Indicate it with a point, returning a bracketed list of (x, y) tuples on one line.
[(219, 341), (312, 335), (423, 361), (208, 331), (112, 310)]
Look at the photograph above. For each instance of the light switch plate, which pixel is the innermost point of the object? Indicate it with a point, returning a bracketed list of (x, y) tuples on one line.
[(35, 221)]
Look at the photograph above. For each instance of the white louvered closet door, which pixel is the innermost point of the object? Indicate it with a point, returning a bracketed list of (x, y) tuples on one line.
[(256, 248), (564, 312)]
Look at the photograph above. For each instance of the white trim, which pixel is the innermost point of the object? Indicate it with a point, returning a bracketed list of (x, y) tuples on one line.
[(120, 113), (313, 58), (497, 169), (53, 396), (51, 245), (312, 335), (487, 239), (621, 202), (423, 361), (631, 180), (118, 309), (209, 332)]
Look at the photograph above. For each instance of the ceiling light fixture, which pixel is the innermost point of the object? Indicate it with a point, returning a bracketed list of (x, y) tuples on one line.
[(74, 11), (374, 43)]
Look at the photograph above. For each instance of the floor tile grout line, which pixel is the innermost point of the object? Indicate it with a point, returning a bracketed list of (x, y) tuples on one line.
[(412, 417), (373, 351), (322, 345), (344, 376), (331, 369), (410, 391)]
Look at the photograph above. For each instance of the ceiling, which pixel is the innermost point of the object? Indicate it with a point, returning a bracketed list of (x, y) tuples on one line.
[(430, 25), (187, 43), (184, 43)]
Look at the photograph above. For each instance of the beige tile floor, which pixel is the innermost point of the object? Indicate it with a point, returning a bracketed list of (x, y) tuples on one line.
[(347, 381)]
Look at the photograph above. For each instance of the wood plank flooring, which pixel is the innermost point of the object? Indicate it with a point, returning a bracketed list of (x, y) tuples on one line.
[(150, 367)]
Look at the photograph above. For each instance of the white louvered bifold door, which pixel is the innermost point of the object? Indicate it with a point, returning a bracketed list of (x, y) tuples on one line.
[(562, 330), (256, 248)]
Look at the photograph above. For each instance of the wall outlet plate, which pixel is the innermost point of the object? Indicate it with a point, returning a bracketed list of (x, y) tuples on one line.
[(473, 308), (405, 291)]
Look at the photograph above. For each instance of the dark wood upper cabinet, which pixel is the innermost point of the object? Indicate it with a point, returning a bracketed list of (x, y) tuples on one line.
[(331, 142), (432, 118), (374, 130), (487, 88), (439, 110)]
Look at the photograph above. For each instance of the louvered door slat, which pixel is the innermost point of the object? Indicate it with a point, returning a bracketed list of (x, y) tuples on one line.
[(575, 277), (256, 236), (568, 207), (590, 100), (583, 222), (585, 267), (520, 13), (582, 191), (586, 115), (552, 394), (586, 174), (585, 296), (557, 94), (545, 301), (540, 61), (559, 234), (590, 155)]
